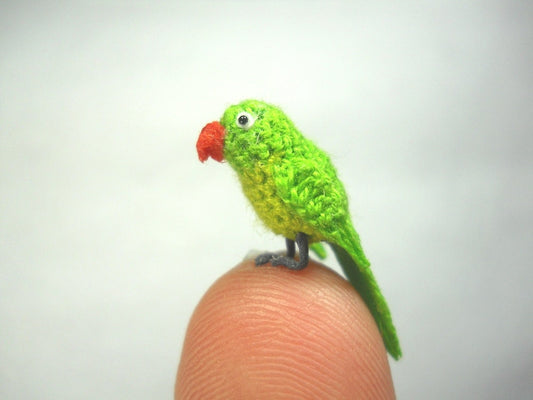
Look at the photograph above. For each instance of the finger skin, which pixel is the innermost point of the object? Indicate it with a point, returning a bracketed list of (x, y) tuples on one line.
[(271, 333)]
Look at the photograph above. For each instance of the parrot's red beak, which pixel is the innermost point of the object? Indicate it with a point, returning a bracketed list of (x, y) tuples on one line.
[(211, 142)]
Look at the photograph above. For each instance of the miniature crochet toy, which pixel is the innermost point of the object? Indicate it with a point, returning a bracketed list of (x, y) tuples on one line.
[(293, 187)]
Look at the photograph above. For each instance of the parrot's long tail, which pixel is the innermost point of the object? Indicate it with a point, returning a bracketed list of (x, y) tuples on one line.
[(357, 269)]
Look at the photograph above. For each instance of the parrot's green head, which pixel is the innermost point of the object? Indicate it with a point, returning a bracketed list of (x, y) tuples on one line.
[(250, 131)]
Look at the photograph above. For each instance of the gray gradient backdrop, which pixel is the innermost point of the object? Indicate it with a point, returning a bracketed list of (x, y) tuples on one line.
[(111, 230)]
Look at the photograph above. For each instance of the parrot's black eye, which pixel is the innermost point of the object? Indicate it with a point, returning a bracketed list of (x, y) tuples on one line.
[(245, 120)]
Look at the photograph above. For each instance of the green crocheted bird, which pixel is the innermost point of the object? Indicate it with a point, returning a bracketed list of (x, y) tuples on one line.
[(293, 187)]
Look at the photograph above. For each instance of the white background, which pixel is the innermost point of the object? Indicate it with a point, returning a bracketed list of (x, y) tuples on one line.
[(111, 229)]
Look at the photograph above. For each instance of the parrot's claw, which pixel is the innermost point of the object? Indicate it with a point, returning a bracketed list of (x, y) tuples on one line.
[(265, 258), (287, 261)]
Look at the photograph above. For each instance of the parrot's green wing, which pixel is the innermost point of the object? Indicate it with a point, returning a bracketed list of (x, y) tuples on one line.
[(311, 190)]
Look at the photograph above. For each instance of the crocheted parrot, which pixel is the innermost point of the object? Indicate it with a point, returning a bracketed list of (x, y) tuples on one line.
[(294, 189)]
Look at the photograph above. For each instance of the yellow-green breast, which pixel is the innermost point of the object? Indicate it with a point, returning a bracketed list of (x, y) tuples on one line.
[(259, 187)]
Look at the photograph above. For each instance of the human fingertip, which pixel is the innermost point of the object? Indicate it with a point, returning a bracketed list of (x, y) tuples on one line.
[(269, 333)]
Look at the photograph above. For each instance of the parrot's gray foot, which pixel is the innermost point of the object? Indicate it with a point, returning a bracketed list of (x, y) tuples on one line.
[(288, 261)]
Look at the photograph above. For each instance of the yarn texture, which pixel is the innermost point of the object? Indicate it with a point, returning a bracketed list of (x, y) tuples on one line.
[(293, 187)]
